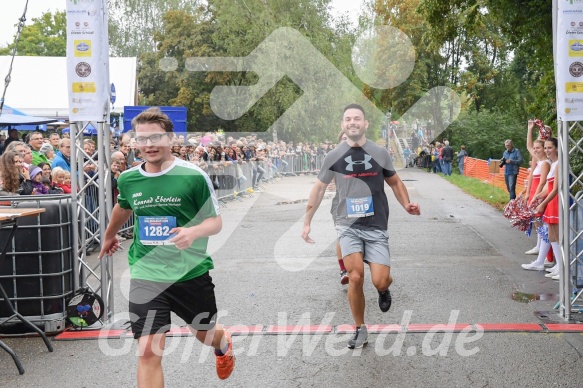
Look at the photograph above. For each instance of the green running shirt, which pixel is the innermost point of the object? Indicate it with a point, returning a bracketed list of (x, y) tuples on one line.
[(183, 191)]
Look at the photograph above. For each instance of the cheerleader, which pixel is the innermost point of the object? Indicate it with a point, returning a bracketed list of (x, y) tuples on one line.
[(550, 204), (536, 183)]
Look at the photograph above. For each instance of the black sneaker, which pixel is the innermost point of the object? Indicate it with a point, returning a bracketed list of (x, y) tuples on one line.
[(360, 338), (343, 278), (385, 300)]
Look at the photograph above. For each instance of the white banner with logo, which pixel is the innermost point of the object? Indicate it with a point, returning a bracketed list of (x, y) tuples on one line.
[(569, 60), (87, 60)]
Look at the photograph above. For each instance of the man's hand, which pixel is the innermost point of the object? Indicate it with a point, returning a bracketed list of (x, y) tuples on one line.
[(184, 237), (306, 234), (413, 209), (109, 247)]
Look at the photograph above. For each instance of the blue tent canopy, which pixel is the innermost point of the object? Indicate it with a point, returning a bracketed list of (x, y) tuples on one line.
[(21, 121)]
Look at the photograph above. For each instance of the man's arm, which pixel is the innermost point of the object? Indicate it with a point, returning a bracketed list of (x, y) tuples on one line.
[(314, 200), (402, 195), (110, 244)]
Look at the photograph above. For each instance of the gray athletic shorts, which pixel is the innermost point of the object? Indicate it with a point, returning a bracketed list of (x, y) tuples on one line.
[(374, 244)]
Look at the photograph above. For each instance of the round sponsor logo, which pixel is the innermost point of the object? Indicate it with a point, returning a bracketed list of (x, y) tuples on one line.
[(567, 110), (77, 24), (573, 24), (86, 24), (75, 110), (580, 24), (576, 69), (83, 69)]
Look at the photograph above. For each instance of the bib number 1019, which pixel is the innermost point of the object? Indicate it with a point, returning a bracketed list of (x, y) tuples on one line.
[(363, 207)]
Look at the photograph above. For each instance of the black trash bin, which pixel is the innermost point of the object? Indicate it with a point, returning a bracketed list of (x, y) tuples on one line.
[(37, 272)]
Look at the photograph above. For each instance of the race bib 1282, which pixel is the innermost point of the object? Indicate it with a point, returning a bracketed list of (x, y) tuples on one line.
[(156, 230)]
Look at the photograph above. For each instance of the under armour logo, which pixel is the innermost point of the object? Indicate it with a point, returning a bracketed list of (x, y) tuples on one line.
[(351, 163)]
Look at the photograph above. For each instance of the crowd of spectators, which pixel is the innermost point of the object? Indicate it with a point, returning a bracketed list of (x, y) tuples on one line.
[(436, 157), (42, 163)]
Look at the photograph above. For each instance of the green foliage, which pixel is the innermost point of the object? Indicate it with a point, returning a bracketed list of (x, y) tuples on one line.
[(132, 23), (46, 36), (484, 132), (235, 29)]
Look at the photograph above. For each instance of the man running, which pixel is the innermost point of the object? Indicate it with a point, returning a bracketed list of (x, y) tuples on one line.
[(175, 211), (360, 169)]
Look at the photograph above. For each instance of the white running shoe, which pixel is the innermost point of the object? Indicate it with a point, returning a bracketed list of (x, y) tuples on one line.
[(551, 274), (556, 277), (533, 251), (554, 268), (548, 263), (533, 266)]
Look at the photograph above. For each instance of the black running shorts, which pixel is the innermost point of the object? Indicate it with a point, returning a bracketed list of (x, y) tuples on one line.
[(151, 304)]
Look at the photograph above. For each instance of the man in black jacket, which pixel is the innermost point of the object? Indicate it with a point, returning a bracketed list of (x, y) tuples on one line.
[(447, 157)]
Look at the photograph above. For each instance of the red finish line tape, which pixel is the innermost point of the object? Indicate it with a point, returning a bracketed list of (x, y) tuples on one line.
[(242, 330)]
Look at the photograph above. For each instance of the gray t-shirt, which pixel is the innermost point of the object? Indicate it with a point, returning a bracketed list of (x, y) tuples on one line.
[(360, 174)]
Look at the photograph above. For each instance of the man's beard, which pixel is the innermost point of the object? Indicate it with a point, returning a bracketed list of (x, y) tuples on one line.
[(355, 137)]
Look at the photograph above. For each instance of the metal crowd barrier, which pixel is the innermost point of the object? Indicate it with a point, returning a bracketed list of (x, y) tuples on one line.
[(301, 164)]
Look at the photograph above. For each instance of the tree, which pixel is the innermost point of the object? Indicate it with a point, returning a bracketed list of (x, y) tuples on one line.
[(46, 36), (235, 29), (132, 23)]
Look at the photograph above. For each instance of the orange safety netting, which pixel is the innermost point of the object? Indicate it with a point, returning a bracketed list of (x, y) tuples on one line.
[(479, 169)]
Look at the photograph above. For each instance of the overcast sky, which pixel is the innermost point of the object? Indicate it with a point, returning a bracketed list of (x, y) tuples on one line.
[(13, 9)]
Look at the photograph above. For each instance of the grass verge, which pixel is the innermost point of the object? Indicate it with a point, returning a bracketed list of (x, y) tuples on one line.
[(490, 194)]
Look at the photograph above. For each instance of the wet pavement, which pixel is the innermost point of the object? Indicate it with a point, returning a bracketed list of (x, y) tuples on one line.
[(457, 263)]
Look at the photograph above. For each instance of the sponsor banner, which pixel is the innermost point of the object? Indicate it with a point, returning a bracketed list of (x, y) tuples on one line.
[(569, 60), (87, 60)]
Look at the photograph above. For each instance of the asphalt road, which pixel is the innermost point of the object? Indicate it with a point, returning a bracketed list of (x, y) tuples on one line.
[(459, 262)]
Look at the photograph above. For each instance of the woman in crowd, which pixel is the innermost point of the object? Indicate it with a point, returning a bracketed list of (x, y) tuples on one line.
[(231, 155), (182, 153), (47, 179), (15, 178), (176, 148), (48, 151), (46, 169)]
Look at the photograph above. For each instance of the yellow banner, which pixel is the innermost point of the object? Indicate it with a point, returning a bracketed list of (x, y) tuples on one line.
[(84, 87)]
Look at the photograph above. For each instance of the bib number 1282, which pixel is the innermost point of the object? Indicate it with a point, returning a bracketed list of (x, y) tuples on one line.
[(156, 230), (151, 231)]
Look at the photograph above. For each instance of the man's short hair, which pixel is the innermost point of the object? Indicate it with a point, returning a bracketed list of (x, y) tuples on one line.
[(154, 116), (30, 135), (354, 106), (508, 141), (63, 141)]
